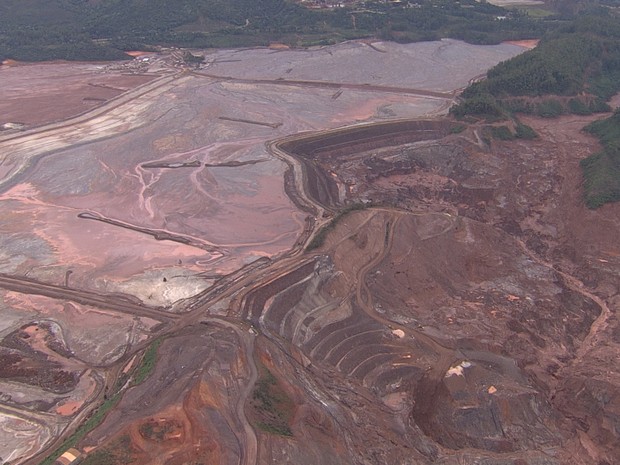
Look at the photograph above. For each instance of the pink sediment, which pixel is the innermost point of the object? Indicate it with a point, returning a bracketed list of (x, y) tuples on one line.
[(69, 408), (38, 93), (139, 53)]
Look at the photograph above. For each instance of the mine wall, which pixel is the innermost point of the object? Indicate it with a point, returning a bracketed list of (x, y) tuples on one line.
[(314, 149)]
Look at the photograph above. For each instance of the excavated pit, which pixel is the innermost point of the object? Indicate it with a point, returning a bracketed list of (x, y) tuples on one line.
[(319, 151), (486, 321), (466, 313)]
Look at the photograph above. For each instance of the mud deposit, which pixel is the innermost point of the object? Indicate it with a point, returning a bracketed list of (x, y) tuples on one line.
[(467, 298), (293, 257)]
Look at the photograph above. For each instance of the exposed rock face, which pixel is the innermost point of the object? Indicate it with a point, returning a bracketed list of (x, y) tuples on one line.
[(467, 410)]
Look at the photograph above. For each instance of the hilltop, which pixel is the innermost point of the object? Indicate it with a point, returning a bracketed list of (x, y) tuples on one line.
[(34, 30)]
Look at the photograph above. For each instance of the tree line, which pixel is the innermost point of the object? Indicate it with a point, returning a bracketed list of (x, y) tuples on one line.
[(79, 29)]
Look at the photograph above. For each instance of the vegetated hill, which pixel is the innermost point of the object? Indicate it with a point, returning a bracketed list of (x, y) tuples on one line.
[(574, 69), (33, 30), (89, 29), (602, 170), (578, 59)]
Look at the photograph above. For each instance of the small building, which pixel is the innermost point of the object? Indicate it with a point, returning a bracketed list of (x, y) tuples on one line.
[(70, 456)]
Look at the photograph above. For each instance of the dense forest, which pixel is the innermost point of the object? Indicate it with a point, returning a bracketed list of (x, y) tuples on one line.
[(578, 63), (87, 29)]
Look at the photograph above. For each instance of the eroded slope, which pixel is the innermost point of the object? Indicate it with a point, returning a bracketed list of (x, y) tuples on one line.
[(452, 301)]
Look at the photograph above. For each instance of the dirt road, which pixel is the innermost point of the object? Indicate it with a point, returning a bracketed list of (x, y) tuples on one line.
[(84, 297)]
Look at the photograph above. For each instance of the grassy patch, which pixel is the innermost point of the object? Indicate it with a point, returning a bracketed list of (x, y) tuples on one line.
[(577, 107), (161, 430), (549, 108), (501, 133), (535, 12), (457, 128), (93, 421), (97, 416), (319, 239), (523, 131), (601, 171), (272, 408), (147, 365), (483, 105)]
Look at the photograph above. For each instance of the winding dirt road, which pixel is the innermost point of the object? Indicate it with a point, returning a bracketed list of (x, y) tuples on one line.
[(334, 85), (249, 446)]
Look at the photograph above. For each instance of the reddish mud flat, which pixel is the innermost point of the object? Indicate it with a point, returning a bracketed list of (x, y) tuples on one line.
[(529, 44), (229, 201), (163, 212), (35, 94)]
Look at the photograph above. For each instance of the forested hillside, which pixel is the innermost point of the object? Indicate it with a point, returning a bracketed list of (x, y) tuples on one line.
[(89, 29), (574, 69), (579, 61)]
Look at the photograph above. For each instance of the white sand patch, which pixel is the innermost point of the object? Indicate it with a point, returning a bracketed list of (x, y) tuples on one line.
[(162, 287), (399, 333), (458, 370), (20, 438)]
